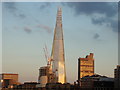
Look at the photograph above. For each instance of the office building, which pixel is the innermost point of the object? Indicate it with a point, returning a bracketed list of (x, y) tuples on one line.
[(58, 56), (117, 76), (8, 80), (85, 66), (97, 82)]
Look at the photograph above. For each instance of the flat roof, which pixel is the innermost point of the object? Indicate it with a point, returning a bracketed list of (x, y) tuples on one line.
[(8, 74)]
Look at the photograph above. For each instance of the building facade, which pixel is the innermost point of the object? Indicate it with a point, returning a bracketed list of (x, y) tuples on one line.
[(85, 66), (117, 76), (45, 76), (97, 82), (55, 72), (57, 55), (8, 80)]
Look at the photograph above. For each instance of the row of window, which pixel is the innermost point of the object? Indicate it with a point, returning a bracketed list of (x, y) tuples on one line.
[(87, 71)]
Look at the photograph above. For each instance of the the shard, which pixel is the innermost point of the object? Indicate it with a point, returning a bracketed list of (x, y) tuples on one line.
[(57, 55)]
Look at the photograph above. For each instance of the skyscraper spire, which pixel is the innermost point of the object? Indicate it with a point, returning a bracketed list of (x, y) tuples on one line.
[(59, 17), (58, 51)]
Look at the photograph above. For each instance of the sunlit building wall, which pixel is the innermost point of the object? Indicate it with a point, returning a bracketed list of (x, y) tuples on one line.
[(8, 79), (85, 66), (58, 56)]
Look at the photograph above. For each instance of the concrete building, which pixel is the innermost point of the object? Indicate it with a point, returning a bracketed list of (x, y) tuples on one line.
[(117, 76), (85, 66), (8, 80), (98, 82), (45, 76)]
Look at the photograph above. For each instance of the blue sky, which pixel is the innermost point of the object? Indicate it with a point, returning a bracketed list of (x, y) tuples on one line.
[(88, 28)]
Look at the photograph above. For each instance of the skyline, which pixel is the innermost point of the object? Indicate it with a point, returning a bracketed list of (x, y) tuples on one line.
[(32, 30)]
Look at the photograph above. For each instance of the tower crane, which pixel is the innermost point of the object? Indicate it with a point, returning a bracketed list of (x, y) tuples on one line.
[(48, 58)]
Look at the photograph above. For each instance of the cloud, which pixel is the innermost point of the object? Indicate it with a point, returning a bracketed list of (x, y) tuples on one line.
[(96, 36), (46, 28), (105, 12), (22, 15), (12, 8), (43, 6), (99, 21), (114, 25), (88, 8), (27, 30), (106, 21)]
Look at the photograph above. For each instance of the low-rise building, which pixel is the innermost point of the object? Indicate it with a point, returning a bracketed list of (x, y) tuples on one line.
[(26, 85), (97, 81), (8, 80)]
